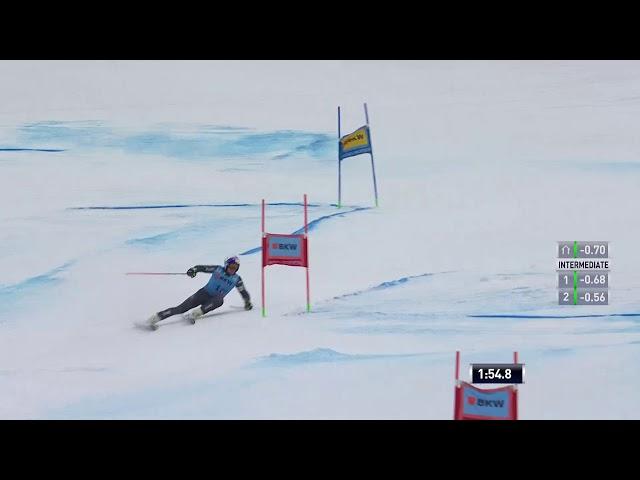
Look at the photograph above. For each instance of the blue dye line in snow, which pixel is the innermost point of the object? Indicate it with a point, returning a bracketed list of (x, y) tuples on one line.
[(557, 316), (191, 230), (187, 232), (384, 285), (11, 293), (187, 205), (203, 142), (312, 225), (11, 149), (323, 355)]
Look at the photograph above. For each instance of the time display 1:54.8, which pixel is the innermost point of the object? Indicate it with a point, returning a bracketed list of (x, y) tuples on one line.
[(497, 373)]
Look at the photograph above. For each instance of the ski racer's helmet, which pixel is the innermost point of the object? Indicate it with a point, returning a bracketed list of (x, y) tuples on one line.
[(232, 261)]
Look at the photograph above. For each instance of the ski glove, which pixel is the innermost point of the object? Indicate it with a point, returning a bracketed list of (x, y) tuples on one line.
[(248, 306), (192, 272)]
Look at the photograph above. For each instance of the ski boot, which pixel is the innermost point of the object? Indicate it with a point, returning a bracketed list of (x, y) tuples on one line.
[(193, 315), (152, 321)]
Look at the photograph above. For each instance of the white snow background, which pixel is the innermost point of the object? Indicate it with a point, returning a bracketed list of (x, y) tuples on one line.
[(482, 167)]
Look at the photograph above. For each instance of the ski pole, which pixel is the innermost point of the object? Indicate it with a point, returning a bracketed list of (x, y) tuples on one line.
[(153, 273)]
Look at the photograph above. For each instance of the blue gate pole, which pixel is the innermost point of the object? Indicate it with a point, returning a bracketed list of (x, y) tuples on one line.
[(373, 168), (339, 165)]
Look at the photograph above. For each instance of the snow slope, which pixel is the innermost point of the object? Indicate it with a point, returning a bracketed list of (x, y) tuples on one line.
[(109, 167)]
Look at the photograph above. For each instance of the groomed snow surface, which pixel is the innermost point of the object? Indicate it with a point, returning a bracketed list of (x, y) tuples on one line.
[(114, 167)]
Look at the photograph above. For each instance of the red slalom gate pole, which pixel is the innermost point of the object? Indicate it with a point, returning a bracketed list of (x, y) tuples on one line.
[(306, 236), (305, 214), (264, 314), (515, 391), (457, 386)]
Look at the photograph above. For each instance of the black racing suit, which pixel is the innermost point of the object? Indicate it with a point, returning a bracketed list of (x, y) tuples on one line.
[(203, 298)]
